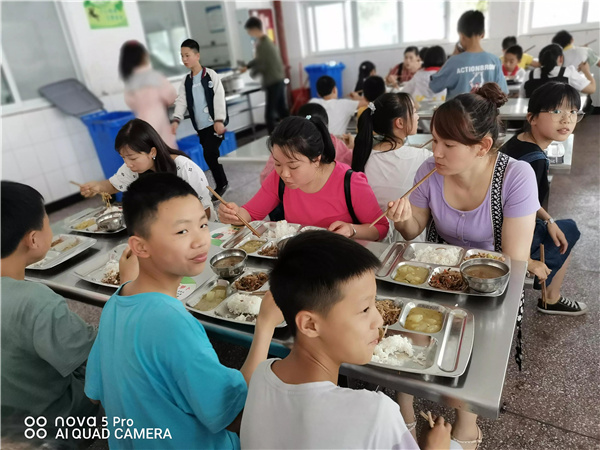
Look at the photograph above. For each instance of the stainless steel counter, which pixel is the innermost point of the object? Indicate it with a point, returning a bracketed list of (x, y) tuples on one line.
[(479, 390)]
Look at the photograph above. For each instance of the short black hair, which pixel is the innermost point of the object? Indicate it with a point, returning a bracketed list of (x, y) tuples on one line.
[(314, 110), (373, 87), (471, 23), (516, 50), (144, 195), (549, 96), (310, 269), (562, 38), (412, 49), (253, 23), (190, 43), (325, 85), (22, 211), (423, 52), (435, 57), (508, 41)]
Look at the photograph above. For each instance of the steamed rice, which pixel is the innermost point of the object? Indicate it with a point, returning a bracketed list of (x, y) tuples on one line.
[(385, 351), (282, 228), (243, 305), (441, 255)]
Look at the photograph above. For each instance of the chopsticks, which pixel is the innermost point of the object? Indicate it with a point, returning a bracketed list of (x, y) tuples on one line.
[(428, 418), (410, 191), (591, 42), (244, 221), (542, 259), (426, 143), (525, 51), (106, 197)]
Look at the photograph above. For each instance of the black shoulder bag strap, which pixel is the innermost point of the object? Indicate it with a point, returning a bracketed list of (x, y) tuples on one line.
[(281, 189), (348, 195)]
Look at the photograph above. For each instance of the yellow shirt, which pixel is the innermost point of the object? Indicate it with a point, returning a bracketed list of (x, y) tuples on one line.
[(525, 61)]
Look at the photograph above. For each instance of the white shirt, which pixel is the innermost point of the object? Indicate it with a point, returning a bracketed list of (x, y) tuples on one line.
[(574, 56), (339, 112), (576, 79), (318, 415), (187, 170), (418, 87)]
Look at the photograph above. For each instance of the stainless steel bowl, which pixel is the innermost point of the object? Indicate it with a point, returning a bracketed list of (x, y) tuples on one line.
[(283, 240), (230, 271), (486, 285), (111, 221)]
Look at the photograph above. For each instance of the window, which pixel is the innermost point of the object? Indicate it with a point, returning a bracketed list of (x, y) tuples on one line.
[(414, 30), (555, 14), (35, 49), (165, 30), (593, 11), (330, 26), (5, 91), (377, 23)]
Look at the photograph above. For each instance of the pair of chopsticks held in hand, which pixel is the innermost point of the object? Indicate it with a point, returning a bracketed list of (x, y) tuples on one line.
[(244, 221)]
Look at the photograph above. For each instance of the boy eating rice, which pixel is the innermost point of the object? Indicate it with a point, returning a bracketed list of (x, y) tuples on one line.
[(152, 362), (325, 286)]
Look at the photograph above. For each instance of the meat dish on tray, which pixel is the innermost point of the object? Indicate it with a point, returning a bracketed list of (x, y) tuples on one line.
[(252, 282)]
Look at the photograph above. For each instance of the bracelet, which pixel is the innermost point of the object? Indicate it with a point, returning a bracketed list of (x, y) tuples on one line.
[(549, 221), (353, 231)]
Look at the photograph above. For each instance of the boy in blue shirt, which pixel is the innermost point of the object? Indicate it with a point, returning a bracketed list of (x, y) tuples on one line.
[(202, 94), (152, 363), (470, 69)]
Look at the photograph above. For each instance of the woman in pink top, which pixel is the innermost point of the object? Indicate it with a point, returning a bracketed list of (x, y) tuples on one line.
[(314, 185), (478, 198), (342, 153), (147, 92)]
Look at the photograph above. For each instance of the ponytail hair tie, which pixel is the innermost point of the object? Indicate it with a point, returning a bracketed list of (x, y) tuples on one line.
[(308, 116), (371, 106)]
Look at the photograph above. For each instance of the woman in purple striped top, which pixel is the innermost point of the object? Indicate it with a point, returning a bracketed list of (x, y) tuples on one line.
[(477, 198)]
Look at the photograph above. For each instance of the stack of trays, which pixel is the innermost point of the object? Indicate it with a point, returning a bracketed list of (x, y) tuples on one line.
[(442, 347), (420, 264)]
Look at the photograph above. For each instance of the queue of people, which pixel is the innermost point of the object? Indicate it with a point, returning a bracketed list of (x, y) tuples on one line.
[(152, 362)]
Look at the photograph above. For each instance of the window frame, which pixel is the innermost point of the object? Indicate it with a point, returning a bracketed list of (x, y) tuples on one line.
[(526, 11), (308, 10), (19, 105)]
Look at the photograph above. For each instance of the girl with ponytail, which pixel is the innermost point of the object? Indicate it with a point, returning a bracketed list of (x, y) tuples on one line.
[(314, 188), (551, 61), (477, 198), (387, 160), (365, 70)]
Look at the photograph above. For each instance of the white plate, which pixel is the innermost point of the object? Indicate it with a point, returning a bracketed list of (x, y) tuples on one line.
[(57, 255)]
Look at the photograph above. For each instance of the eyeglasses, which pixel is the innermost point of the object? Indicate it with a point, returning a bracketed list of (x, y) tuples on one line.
[(572, 116)]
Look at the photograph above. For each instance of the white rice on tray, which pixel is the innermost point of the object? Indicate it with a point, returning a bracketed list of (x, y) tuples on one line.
[(388, 351), (242, 305), (438, 255), (282, 228)]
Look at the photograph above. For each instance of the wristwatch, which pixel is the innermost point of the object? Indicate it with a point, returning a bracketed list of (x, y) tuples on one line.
[(549, 221)]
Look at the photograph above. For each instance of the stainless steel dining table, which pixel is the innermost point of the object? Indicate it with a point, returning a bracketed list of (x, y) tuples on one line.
[(478, 390)]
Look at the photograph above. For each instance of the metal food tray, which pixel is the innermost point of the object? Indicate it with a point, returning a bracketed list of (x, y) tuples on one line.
[(71, 222), (400, 253), (244, 235), (57, 255), (92, 271), (446, 353), (221, 311)]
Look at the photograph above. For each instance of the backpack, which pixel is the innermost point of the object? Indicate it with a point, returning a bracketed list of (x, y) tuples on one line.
[(279, 214), (533, 83)]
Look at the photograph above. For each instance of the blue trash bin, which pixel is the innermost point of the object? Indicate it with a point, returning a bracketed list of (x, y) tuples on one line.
[(316, 71), (104, 127), (191, 146)]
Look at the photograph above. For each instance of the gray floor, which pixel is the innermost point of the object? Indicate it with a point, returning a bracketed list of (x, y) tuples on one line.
[(554, 403)]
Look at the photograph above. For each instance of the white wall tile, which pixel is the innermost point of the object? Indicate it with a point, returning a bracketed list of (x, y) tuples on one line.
[(73, 172), (58, 184), (65, 151), (28, 162), (39, 183), (47, 155), (56, 122), (14, 130), (37, 129), (7, 146), (92, 170), (10, 168), (83, 146)]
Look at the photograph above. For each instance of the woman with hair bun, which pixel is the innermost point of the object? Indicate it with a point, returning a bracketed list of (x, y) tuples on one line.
[(477, 198), (313, 188)]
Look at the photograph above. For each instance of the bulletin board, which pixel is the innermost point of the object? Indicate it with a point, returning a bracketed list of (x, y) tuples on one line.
[(105, 14)]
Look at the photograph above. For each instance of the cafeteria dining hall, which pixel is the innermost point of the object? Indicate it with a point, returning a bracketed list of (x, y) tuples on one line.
[(341, 224)]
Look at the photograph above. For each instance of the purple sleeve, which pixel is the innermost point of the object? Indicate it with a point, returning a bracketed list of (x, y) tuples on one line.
[(266, 199), (519, 191), (420, 196)]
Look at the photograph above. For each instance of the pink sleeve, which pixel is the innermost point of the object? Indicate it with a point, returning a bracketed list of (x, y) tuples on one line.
[(268, 169), (365, 204), (167, 92), (342, 153), (266, 199)]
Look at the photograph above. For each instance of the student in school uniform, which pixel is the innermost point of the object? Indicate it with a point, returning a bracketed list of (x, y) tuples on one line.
[(339, 110), (201, 93), (152, 362), (472, 68), (510, 65), (553, 69), (574, 56), (527, 60)]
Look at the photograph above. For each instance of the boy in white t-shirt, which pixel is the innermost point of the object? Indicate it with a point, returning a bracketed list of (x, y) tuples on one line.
[(339, 110), (325, 286)]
